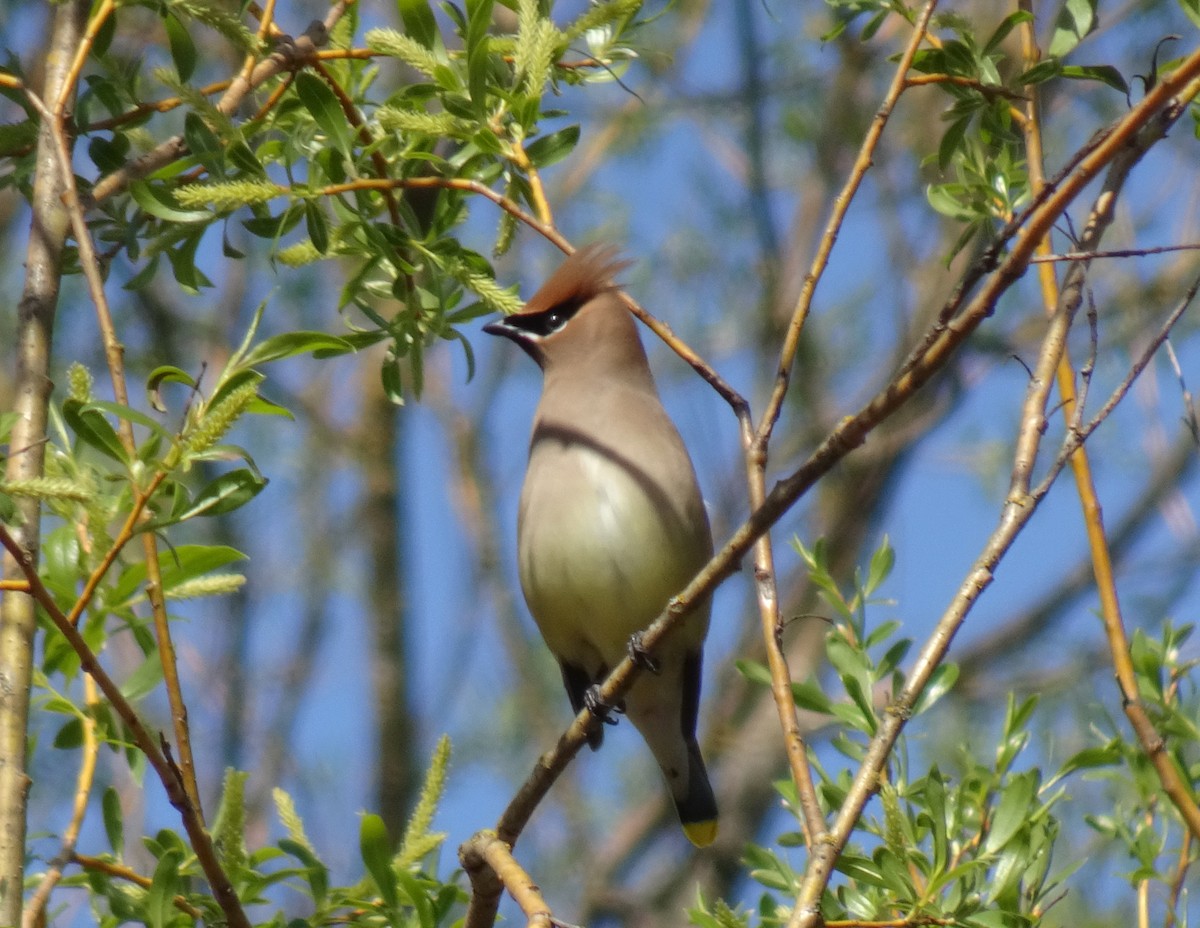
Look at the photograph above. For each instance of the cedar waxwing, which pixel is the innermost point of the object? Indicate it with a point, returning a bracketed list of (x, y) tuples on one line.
[(611, 524)]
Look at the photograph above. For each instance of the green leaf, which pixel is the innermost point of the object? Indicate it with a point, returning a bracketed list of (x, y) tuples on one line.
[(323, 104), (183, 264), (1010, 22), (143, 277), (1041, 72), (158, 201), (872, 26), (1075, 20), (143, 680), (417, 897), (1089, 758), (851, 666), (233, 378), (113, 821), (226, 493), (951, 142), (203, 143), (1104, 73), (289, 344), (93, 429), (552, 148), (882, 562), (419, 22), (479, 22), (1014, 811), (183, 49), (940, 683), (109, 155), (274, 227), (261, 406), (160, 897), (317, 225), (883, 632), (392, 379), (935, 802), (129, 414), (316, 872), (166, 373), (808, 695), (754, 671), (990, 918), (70, 736), (377, 856)]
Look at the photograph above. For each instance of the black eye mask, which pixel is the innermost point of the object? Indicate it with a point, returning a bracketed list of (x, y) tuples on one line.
[(548, 321)]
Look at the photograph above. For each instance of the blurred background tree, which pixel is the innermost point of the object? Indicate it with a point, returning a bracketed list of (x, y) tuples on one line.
[(343, 193)]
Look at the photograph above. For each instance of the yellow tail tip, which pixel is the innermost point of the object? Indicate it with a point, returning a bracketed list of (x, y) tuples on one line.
[(701, 834)]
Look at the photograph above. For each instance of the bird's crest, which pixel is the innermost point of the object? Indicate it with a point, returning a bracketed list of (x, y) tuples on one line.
[(585, 274)]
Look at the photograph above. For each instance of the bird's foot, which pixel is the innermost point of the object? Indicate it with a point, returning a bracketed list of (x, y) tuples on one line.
[(640, 656), (599, 708)]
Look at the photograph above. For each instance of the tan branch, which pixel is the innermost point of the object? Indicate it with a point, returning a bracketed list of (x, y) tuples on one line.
[(519, 884)]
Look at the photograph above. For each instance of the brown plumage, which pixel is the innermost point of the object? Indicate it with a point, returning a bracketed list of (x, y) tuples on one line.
[(611, 522)]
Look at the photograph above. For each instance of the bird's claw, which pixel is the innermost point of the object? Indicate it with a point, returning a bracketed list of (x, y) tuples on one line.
[(598, 707), (640, 656)]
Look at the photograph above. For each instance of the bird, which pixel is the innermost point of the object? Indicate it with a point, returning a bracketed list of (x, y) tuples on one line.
[(611, 522)]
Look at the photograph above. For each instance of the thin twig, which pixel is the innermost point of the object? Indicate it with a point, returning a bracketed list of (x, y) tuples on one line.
[(988, 90), (66, 93), (1189, 405), (537, 192), (1048, 257), (451, 183), (121, 872), (841, 205), (128, 529), (35, 910)]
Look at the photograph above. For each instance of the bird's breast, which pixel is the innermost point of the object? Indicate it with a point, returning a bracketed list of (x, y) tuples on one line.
[(603, 543)]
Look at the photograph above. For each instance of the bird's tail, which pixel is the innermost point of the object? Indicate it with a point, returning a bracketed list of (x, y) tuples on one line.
[(696, 805)]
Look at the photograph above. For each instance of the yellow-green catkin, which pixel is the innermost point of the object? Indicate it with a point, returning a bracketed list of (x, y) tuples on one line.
[(79, 381), (219, 419)]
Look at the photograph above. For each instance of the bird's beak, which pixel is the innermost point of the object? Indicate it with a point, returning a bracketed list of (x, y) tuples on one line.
[(499, 327)]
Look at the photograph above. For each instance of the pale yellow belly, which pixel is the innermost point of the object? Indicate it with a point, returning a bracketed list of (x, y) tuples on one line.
[(598, 558)]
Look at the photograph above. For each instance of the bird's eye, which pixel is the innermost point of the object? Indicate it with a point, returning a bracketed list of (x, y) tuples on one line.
[(555, 320)]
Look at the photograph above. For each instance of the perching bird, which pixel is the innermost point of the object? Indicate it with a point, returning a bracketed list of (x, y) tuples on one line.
[(611, 523)]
